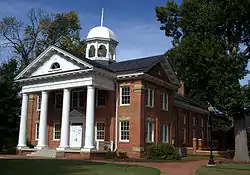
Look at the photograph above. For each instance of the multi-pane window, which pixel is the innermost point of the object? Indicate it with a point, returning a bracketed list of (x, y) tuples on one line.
[(194, 133), (100, 98), (78, 99), (164, 133), (202, 134), (37, 131), (100, 131), (59, 99), (124, 130), (57, 131), (39, 103), (149, 131), (164, 101), (184, 135), (125, 95), (194, 121), (184, 119), (150, 97), (202, 122)]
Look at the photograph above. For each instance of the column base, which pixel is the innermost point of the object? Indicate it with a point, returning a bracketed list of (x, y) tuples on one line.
[(21, 147)]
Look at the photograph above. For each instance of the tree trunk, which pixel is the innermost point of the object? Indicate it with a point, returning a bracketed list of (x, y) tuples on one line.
[(241, 148)]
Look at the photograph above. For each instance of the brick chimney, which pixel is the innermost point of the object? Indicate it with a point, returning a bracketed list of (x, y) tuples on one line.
[(181, 89)]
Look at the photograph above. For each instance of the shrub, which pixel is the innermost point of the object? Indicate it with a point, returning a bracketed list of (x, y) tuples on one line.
[(163, 151)]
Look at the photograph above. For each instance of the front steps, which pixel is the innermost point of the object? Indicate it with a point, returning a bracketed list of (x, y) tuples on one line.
[(44, 153)]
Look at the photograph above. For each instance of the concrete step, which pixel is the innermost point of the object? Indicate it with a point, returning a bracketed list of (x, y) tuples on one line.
[(46, 153)]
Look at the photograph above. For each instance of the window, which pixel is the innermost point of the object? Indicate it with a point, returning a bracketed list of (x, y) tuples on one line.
[(164, 133), (125, 95), (78, 99), (165, 101), (124, 130), (57, 131), (100, 98), (59, 99), (194, 133), (150, 97), (92, 51), (202, 122), (100, 131), (194, 121), (55, 66), (149, 131), (202, 134), (37, 131), (184, 135), (102, 51), (184, 119), (39, 103)]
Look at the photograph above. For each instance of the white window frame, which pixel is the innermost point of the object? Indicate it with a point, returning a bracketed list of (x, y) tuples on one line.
[(37, 131), (194, 121), (184, 119), (96, 131), (78, 98), (165, 133), (54, 130), (165, 101), (124, 104), (194, 133), (38, 103), (58, 93), (184, 135), (150, 131), (120, 131), (150, 99)]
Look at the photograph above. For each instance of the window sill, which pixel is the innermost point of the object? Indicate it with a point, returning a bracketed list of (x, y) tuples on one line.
[(123, 141), (101, 106), (56, 140), (149, 106), (99, 140), (165, 110), (54, 70), (124, 104)]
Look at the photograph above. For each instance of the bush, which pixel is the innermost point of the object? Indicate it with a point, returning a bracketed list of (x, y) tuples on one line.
[(163, 151)]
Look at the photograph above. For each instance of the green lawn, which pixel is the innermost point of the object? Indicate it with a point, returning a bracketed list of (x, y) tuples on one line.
[(225, 169), (69, 167)]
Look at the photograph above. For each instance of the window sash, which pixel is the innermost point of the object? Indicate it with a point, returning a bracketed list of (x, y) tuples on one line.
[(149, 131), (100, 131), (78, 99), (150, 97), (37, 131), (202, 122), (184, 135), (58, 99), (124, 130), (164, 133), (100, 98), (194, 121), (39, 103), (165, 101), (184, 119), (57, 131), (194, 133), (125, 95)]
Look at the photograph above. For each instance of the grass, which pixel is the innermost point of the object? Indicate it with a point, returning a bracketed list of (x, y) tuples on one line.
[(69, 167), (225, 169)]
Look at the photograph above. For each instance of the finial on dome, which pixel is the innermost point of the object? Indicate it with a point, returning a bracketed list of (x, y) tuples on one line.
[(102, 17)]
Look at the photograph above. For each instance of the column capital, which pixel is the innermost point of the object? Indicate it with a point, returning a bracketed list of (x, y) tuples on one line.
[(90, 87), (67, 89)]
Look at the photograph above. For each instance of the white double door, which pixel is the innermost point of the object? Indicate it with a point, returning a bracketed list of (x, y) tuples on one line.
[(76, 135)]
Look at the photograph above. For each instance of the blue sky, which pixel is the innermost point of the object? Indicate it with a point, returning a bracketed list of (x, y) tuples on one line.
[(133, 22)]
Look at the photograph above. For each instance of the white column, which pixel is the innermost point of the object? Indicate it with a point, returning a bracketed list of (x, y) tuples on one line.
[(89, 129), (148, 131), (43, 121), (23, 122), (64, 142)]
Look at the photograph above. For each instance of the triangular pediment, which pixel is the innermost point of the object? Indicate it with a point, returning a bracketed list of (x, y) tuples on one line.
[(75, 113), (53, 61)]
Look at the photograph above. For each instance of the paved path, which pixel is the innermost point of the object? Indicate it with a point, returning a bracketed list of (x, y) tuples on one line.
[(171, 168)]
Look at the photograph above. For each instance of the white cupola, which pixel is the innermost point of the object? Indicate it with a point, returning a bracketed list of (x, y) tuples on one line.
[(101, 44)]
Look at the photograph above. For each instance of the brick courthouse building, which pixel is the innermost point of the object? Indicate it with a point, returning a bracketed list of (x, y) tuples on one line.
[(74, 103)]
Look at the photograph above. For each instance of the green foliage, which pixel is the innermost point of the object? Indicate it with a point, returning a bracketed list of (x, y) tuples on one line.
[(163, 151)]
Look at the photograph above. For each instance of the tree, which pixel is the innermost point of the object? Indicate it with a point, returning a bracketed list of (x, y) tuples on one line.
[(43, 30), (207, 39)]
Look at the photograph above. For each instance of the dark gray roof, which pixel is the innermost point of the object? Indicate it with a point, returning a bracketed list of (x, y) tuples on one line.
[(184, 99), (135, 65)]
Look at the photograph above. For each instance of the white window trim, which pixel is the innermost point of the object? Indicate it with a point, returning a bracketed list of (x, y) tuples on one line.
[(96, 131), (121, 96), (39, 98), (184, 119), (78, 98), (36, 138), (150, 130), (165, 138), (55, 123), (59, 92), (194, 133), (184, 135), (165, 101), (120, 140), (148, 97)]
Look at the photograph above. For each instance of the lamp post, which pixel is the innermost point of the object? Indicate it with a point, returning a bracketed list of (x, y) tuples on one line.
[(211, 157)]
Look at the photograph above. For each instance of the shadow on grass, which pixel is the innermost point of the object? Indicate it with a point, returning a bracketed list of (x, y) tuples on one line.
[(69, 167)]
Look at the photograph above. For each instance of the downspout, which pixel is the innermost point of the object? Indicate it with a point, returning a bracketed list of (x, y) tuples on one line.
[(116, 116)]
